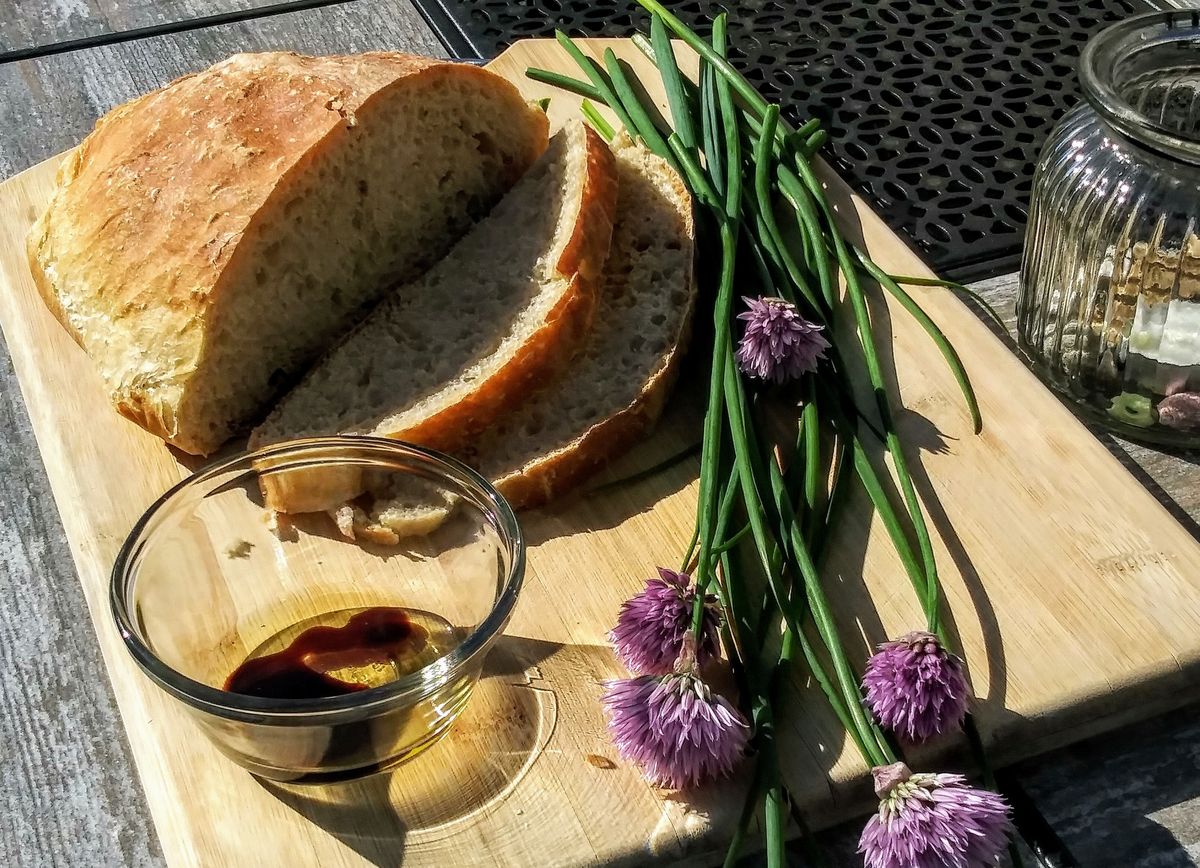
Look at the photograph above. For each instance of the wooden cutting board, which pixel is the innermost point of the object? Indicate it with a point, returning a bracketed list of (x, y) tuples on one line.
[(1075, 594)]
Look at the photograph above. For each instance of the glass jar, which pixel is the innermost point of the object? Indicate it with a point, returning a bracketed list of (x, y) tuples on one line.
[(1109, 307)]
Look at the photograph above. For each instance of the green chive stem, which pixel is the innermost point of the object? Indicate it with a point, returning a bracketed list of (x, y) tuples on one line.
[(593, 117), (564, 82), (677, 98)]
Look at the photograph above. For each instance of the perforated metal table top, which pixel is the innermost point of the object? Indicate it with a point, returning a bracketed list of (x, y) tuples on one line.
[(936, 109)]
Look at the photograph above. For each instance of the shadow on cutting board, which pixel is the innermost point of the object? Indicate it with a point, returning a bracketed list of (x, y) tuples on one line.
[(635, 480), (490, 749), (919, 435), (985, 612)]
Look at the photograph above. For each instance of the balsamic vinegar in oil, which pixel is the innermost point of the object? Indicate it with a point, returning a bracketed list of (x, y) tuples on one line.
[(343, 652)]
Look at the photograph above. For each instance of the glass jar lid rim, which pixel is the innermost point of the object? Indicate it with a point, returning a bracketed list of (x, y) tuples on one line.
[(1099, 65)]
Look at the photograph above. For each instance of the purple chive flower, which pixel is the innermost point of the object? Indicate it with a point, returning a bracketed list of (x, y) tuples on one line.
[(675, 728), (650, 628), (932, 821), (778, 344), (916, 688)]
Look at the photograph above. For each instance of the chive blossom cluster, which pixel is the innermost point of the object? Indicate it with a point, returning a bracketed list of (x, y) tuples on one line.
[(666, 719), (767, 509), (916, 688), (928, 821), (675, 728), (778, 344), (651, 626)]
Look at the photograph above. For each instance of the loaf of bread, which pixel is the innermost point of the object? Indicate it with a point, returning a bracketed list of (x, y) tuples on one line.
[(443, 357), (207, 241), (614, 389)]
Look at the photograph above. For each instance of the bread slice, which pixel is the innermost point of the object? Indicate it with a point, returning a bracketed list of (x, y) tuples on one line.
[(614, 390), (209, 239), (441, 357)]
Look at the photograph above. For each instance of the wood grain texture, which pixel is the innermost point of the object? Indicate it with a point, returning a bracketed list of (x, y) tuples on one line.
[(1033, 701), (49, 104), (67, 783), (1170, 476), (41, 23)]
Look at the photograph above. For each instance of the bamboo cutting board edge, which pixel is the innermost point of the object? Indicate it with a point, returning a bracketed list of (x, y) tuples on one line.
[(60, 393)]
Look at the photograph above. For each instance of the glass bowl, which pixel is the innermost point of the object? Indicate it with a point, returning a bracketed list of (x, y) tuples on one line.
[(348, 656)]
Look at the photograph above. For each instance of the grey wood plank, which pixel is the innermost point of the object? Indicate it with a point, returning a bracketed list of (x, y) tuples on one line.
[(38, 23), (1129, 798), (69, 796), (70, 793), (47, 105)]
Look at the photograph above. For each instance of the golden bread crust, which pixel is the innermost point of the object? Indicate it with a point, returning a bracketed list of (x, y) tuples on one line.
[(150, 212), (552, 475), (540, 356), (553, 344)]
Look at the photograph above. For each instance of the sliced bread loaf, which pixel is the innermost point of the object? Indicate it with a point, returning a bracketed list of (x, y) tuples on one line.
[(441, 357), (613, 391), (209, 239)]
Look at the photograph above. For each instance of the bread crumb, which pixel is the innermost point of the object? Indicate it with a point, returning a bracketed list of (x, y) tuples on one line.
[(600, 762), (239, 549), (343, 517), (279, 524), (353, 523)]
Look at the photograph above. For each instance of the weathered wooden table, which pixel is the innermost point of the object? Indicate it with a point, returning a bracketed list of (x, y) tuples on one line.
[(70, 795)]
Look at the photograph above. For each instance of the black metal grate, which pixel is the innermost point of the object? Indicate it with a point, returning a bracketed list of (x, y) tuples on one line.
[(936, 109)]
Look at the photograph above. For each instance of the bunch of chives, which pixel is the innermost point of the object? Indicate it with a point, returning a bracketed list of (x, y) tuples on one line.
[(766, 512)]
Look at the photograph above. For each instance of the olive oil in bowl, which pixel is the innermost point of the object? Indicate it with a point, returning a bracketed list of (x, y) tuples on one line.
[(342, 652)]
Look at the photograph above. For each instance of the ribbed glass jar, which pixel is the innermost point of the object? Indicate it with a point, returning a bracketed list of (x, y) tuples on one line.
[(1109, 308)]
